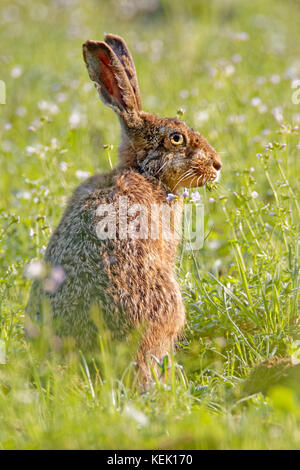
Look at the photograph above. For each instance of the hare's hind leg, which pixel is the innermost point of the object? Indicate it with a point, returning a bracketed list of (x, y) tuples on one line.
[(158, 340)]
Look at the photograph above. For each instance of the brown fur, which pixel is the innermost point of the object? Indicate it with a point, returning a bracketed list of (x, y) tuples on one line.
[(132, 281)]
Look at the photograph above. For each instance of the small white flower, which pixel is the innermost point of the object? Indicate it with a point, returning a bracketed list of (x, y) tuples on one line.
[(201, 117), (240, 36), (58, 274), (75, 119), (61, 97), (35, 269), (53, 108), (296, 117), (24, 195), (236, 118), (262, 109), (21, 111), (236, 58), (254, 194), (30, 150), (82, 174), (17, 71), (277, 113), (54, 143), (229, 70), (184, 94), (42, 105), (46, 106), (46, 191), (256, 101), (63, 166), (55, 279), (140, 418), (275, 79)]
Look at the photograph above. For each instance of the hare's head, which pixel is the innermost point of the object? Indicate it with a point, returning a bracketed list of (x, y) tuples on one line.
[(165, 148)]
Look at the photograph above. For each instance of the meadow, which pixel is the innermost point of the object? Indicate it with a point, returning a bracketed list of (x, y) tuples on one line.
[(232, 68)]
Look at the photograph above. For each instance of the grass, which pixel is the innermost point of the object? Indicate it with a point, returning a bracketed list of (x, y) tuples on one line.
[(231, 66)]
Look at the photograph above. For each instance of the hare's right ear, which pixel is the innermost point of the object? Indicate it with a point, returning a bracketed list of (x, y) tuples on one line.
[(106, 70)]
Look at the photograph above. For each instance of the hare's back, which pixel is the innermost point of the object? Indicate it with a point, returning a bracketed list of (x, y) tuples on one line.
[(75, 239)]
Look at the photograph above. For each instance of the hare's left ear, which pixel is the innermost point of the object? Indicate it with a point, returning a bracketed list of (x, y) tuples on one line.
[(106, 70), (120, 48)]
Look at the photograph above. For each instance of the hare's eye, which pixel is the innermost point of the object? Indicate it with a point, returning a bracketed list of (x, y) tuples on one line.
[(177, 139)]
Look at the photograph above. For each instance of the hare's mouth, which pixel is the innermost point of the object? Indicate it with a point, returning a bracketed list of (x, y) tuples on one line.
[(217, 177), (197, 180), (196, 177)]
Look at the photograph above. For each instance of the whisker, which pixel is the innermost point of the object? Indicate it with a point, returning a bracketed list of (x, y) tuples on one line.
[(185, 175), (178, 182), (161, 167)]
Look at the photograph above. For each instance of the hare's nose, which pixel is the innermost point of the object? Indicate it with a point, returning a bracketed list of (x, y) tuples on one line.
[(217, 165)]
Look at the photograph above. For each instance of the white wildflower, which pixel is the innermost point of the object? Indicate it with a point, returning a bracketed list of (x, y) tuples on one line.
[(17, 71), (140, 418), (201, 117), (30, 150), (184, 94), (63, 166), (75, 119), (278, 113), (256, 101), (275, 79), (80, 174), (21, 111), (35, 270)]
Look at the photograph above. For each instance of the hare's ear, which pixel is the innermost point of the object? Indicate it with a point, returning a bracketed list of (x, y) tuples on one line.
[(120, 48), (106, 70)]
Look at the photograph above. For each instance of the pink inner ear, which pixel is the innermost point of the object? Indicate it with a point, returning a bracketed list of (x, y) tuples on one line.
[(109, 79)]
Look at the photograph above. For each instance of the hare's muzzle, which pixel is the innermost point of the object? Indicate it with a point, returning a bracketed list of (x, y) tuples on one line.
[(206, 167)]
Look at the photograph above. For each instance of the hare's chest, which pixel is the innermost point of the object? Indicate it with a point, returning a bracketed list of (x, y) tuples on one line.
[(141, 284)]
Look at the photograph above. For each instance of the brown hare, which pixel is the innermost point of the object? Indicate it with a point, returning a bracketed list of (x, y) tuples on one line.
[(131, 280)]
